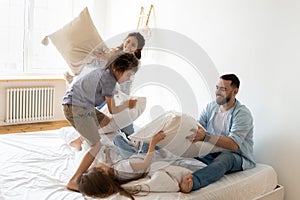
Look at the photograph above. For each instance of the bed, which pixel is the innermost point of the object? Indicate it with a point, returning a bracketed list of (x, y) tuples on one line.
[(37, 165)]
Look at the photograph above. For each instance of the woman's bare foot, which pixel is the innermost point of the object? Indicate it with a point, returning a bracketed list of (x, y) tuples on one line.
[(76, 144)]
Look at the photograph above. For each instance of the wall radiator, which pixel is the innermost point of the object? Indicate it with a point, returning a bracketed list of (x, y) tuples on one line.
[(33, 104)]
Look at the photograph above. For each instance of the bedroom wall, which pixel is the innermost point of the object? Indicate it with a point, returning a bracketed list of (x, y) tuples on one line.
[(259, 41)]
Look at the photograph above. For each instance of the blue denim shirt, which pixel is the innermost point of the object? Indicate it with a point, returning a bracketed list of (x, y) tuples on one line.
[(239, 127)]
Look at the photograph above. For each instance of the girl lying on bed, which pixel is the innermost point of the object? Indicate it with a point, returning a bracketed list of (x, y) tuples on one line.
[(103, 180), (166, 178)]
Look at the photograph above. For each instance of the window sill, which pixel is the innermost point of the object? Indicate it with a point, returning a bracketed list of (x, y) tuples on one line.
[(31, 78)]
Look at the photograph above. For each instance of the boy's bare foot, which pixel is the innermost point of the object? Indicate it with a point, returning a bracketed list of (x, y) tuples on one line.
[(76, 144), (72, 185)]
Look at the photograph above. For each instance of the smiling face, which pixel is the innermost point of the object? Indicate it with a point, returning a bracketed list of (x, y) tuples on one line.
[(225, 93), (130, 44)]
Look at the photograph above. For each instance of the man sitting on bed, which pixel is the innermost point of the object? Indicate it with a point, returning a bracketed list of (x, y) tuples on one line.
[(229, 125)]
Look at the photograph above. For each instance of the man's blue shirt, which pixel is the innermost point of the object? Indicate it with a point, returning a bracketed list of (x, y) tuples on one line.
[(239, 126)]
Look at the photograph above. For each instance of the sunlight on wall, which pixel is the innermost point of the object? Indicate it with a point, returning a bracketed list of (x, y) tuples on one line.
[(169, 83)]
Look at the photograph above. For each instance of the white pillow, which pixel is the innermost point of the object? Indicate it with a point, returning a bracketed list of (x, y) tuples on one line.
[(76, 40), (125, 117), (177, 127)]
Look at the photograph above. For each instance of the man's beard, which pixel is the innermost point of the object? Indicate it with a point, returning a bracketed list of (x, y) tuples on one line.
[(224, 100)]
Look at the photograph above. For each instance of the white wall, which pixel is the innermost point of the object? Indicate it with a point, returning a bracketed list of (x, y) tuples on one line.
[(256, 39)]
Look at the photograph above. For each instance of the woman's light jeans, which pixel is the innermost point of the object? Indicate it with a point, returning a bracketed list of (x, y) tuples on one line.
[(127, 149)]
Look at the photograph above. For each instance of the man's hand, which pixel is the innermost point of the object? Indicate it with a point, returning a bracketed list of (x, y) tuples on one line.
[(198, 134)]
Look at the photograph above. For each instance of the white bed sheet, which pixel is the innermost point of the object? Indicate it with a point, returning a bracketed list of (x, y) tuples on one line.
[(38, 165)]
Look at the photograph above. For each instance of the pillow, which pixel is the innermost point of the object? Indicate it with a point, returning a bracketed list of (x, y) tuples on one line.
[(177, 127), (125, 117), (76, 40), (162, 180)]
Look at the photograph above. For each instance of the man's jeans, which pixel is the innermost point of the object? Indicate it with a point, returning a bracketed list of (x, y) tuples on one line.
[(218, 164)]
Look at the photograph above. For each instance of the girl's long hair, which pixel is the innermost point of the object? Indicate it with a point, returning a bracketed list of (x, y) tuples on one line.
[(97, 183)]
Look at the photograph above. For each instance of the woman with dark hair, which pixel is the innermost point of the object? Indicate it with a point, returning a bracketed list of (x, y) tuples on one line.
[(103, 180), (133, 43)]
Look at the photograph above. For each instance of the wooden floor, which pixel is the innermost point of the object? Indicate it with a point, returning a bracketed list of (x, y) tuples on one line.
[(43, 126)]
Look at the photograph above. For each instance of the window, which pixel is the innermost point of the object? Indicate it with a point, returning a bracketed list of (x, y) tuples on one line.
[(24, 24)]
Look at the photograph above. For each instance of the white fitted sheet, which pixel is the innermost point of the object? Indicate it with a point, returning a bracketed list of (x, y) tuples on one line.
[(38, 165)]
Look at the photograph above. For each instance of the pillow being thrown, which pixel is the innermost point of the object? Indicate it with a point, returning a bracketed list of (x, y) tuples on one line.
[(76, 40), (177, 127)]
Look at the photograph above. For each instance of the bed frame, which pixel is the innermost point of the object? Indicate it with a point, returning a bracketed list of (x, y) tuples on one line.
[(276, 194)]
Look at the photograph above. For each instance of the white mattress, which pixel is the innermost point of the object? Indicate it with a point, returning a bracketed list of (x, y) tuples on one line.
[(38, 165)]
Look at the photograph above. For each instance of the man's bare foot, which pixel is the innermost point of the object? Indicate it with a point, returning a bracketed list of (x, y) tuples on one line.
[(186, 184), (72, 185), (76, 144)]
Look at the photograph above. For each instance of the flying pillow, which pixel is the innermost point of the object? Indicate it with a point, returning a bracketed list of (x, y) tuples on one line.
[(76, 40)]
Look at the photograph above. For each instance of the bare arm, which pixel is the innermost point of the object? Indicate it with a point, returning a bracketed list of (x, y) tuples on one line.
[(102, 55), (220, 141), (136, 166), (107, 157), (224, 142), (113, 109)]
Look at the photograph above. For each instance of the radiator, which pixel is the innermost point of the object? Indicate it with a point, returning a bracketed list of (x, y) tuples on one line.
[(33, 104)]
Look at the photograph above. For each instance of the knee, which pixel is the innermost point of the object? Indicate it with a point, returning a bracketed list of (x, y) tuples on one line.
[(118, 139), (95, 148), (105, 121)]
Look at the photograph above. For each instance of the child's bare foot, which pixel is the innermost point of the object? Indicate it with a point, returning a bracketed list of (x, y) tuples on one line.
[(72, 185), (76, 144)]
